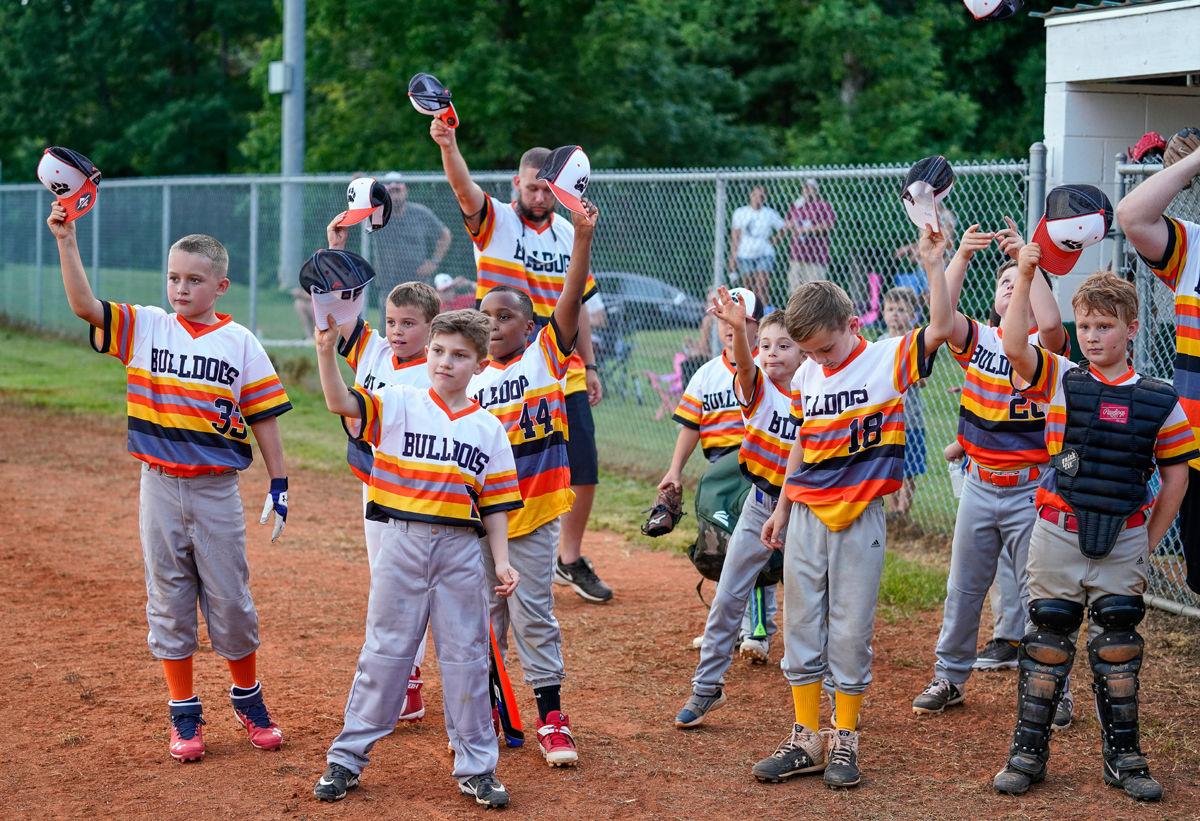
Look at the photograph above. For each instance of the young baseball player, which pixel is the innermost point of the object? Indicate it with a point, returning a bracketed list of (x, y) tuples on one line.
[(197, 381), (442, 476), (1169, 247), (1107, 430), (900, 310), (849, 452), (524, 387), (1003, 435), (764, 393), (709, 415)]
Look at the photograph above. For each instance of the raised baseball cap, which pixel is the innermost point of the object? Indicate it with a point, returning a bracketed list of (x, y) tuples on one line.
[(71, 177), (337, 282), (429, 96), (1076, 217), (754, 308), (927, 184), (367, 197), (992, 9), (566, 172)]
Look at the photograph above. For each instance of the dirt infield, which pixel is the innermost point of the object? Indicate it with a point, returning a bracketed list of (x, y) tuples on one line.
[(83, 724)]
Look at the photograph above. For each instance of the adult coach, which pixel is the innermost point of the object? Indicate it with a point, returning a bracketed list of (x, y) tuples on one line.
[(1171, 249), (810, 219), (524, 244), (410, 247)]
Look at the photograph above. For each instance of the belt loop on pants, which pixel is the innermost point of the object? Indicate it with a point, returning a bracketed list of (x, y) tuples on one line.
[(765, 499), (1003, 478)]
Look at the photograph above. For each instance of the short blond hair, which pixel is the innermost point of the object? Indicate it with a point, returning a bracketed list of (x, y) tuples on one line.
[(473, 325), (205, 246), (773, 318), (1106, 293), (416, 295), (817, 306)]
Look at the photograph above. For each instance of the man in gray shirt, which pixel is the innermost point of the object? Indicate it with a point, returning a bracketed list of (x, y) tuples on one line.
[(410, 247)]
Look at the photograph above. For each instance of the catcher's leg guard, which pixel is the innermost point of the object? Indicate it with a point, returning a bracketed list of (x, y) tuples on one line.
[(1116, 657), (1044, 659)]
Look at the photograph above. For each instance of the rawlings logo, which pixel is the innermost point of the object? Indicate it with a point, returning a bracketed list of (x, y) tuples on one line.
[(83, 202), (59, 188), (1118, 414), (581, 184)]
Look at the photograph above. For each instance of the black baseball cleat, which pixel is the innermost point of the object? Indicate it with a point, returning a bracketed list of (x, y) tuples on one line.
[(580, 576), (800, 753), (1131, 773), (334, 783), (1012, 781), (997, 654), (485, 789), (842, 769)]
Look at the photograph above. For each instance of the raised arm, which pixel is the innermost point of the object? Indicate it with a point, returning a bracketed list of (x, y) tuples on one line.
[(1021, 355), (942, 317), (1051, 332), (570, 301), (1140, 212), (468, 193), (337, 395), (973, 242), (733, 312), (75, 282)]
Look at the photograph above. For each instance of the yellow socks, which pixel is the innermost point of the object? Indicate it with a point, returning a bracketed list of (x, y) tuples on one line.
[(807, 701), (848, 707)]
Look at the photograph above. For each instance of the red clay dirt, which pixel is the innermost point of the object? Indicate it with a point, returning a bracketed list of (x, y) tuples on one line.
[(83, 726)]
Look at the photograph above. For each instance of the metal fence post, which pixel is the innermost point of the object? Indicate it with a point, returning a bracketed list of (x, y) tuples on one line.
[(1036, 198), (254, 257), (1118, 257), (37, 244), (720, 202), (166, 238)]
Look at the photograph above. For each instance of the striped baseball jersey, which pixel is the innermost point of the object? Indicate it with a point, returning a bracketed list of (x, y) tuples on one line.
[(998, 427), (375, 366), (432, 464), (770, 433), (527, 395), (1174, 444), (192, 390), (708, 405), (852, 426), (511, 251), (1179, 269)]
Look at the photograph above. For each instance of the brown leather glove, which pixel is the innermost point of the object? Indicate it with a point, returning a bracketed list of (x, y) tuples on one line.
[(1181, 145), (666, 513)]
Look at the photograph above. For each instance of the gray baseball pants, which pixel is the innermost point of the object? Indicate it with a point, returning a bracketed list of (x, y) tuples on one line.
[(1008, 616), (992, 521), (193, 534), (373, 530), (830, 588), (423, 575), (530, 610), (745, 557)]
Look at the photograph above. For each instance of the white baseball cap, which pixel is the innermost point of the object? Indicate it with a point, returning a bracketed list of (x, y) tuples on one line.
[(754, 308), (367, 197), (443, 281), (566, 172), (927, 184), (992, 9), (71, 178)]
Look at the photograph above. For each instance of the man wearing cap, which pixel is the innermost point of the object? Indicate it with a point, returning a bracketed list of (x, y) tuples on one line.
[(524, 245), (1170, 247), (810, 219), (411, 246), (751, 251)]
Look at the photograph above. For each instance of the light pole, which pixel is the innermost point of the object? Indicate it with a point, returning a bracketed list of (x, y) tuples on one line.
[(286, 77)]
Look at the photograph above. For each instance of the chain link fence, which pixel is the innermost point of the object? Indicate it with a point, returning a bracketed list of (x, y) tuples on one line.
[(1154, 355), (665, 242)]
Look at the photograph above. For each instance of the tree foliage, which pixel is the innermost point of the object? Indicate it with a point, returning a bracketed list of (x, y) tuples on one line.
[(150, 87)]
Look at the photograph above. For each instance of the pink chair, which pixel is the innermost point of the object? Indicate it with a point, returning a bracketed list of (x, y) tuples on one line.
[(668, 386)]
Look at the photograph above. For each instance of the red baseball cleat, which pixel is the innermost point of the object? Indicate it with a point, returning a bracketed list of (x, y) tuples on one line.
[(414, 705), (252, 713), (556, 740), (187, 739)]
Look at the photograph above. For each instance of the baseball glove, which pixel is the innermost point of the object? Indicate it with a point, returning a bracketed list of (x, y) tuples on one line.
[(666, 513), (1180, 145)]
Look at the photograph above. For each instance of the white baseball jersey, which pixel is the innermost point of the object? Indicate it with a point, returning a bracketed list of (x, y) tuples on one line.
[(770, 433), (375, 367), (193, 389), (708, 405)]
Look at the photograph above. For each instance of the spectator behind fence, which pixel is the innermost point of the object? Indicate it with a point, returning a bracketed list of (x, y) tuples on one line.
[(809, 220), (410, 247), (751, 254), (454, 292)]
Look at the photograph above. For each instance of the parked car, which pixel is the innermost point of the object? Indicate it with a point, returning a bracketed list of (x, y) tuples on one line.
[(644, 302)]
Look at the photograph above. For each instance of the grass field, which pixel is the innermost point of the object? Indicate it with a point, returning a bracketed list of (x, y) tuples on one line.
[(62, 375)]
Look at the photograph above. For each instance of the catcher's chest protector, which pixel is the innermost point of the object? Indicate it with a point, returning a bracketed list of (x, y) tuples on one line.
[(1107, 457)]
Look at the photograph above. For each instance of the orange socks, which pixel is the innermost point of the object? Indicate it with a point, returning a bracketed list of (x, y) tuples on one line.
[(179, 678), (244, 672)]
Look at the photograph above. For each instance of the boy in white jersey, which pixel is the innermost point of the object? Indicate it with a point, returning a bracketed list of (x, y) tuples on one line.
[(710, 416), (524, 386), (849, 452), (197, 381), (443, 475), (764, 392)]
